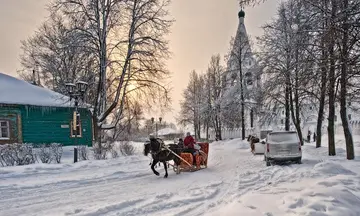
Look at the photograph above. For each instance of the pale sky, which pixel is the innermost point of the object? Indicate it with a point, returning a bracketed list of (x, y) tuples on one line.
[(202, 28)]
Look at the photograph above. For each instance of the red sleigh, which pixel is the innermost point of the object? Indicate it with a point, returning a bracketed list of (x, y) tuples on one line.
[(201, 158)]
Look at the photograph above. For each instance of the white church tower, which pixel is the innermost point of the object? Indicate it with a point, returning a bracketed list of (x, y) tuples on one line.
[(242, 66)]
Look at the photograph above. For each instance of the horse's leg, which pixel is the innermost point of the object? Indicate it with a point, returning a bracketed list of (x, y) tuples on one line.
[(177, 162), (153, 167), (166, 173)]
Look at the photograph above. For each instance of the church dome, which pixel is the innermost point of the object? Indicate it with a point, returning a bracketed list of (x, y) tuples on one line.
[(241, 14)]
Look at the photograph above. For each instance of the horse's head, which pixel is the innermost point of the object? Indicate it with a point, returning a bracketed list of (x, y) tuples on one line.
[(147, 148), (155, 144), (249, 137)]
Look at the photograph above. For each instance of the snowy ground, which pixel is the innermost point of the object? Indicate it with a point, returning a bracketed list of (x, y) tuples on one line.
[(235, 183)]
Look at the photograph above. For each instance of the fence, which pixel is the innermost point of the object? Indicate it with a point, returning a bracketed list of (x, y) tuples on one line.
[(232, 133)]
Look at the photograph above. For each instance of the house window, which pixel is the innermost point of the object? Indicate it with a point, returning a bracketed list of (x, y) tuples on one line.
[(349, 103), (4, 130), (349, 116), (282, 121), (78, 131)]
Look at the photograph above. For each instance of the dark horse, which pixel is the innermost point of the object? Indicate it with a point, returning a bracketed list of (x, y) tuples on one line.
[(161, 154)]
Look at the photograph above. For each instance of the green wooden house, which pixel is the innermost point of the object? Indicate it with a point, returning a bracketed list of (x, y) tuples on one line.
[(36, 115)]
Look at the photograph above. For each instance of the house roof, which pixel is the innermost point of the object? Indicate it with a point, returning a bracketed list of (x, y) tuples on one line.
[(16, 91)]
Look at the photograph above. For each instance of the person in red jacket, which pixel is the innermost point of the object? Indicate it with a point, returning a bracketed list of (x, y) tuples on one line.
[(189, 142)]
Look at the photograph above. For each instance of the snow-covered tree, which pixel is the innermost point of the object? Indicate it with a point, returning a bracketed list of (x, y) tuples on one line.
[(191, 104), (126, 41)]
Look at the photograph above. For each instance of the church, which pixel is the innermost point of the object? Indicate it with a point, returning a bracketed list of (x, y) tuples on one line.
[(242, 81)]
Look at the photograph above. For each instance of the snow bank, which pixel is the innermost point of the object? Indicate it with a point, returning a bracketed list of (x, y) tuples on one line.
[(15, 91), (338, 195)]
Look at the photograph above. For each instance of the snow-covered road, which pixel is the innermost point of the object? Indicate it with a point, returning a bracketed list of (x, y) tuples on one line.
[(235, 182)]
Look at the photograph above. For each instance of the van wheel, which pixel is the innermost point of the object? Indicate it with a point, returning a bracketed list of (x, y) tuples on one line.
[(299, 161)]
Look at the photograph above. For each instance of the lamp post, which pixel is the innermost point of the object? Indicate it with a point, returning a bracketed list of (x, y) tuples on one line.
[(156, 125), (76, 92)]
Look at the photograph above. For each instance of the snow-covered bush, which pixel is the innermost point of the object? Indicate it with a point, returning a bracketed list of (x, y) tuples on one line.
[(111, 149), (57, 151), (16, 155), (126, 148), (49, 153), (83, 152), (44, 154), (115, 152), (100, 152)]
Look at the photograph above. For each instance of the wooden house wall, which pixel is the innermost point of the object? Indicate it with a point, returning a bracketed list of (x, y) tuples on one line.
[(45, 125)]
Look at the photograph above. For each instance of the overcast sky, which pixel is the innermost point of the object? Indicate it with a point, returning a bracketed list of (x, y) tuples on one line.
[(202, 28)]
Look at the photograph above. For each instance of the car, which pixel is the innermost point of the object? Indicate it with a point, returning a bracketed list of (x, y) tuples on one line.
[(282, 146)]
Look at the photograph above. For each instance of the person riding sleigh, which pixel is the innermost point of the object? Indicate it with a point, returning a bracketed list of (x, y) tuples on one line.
[(189, 146)]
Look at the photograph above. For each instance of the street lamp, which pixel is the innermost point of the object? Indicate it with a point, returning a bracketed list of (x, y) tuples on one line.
[(156, 126), (76, 92)]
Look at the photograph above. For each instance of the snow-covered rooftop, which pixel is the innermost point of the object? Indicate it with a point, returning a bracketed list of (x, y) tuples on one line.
[(15, 91)]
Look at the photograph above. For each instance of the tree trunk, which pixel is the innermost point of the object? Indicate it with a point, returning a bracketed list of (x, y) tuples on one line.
[(343, 83), (323, 83), (287, 107), (332, 82), (295, 113), (251, 118), (220, 131), (207, 131)]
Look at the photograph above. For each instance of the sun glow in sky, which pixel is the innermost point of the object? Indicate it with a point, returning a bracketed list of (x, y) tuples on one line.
[(202, 28)]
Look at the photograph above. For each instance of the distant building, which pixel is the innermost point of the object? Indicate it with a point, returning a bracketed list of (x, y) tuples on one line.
[(36, 115), (169, 134)]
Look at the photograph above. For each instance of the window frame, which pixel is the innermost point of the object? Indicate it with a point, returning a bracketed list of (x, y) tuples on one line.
[(72, 131), (8, 129)]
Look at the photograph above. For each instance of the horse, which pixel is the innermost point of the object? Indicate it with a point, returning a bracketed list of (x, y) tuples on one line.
[(253, 139), (161, 154)]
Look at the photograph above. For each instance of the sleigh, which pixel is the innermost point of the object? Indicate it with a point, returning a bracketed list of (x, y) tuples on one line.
[(187, 160)]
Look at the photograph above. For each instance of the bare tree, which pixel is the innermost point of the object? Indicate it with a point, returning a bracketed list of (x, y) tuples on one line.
[(119, 45), (190, 106), (56, 57)]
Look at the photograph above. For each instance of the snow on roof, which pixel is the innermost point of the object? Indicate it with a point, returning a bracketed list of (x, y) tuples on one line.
[(15, 91)]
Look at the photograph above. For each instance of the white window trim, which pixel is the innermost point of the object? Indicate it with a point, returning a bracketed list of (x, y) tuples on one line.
[(71, 131), (8, 130)]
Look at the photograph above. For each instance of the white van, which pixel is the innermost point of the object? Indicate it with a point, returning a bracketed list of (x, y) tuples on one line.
[(282, 146)]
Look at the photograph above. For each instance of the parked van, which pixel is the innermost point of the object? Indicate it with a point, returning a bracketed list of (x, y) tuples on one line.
[(282, 146)]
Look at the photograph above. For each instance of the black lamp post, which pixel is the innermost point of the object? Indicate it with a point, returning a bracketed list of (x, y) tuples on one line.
[(76, 92), (156, 125)]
